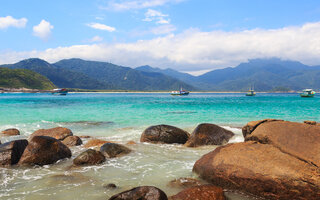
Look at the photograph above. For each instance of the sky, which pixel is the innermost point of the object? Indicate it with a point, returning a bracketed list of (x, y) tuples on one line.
[(193, 36)]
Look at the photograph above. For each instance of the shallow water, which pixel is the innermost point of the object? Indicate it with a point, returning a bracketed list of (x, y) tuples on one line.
[(122, 118)]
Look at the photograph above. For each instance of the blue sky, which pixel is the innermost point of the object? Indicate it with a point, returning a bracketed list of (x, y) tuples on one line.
[(187, 35)]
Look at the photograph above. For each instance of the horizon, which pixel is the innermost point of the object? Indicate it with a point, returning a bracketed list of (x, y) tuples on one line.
[(183, 35)]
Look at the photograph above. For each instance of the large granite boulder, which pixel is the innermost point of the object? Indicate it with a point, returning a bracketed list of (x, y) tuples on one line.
[(10, 152), (209, 134), (72, 141), (164, 134), (260, 169), (58, 133), (89, 157), (11, 131), (95, 143), (111, 150), (297, 139), (44, 150), (141, 193), (203, 192), (251, 126)]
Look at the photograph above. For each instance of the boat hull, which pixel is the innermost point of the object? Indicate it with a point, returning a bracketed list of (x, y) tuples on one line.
[(306, 95)]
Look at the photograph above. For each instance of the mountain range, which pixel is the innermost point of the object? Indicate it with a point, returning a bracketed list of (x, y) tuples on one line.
[(264, 74)]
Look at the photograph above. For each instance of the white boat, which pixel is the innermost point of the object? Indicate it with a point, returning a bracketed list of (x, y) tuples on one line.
[(180, 92), (60, 91), (308, 93)]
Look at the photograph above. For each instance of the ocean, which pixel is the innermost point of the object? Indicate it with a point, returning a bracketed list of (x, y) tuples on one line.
[(122, 117)]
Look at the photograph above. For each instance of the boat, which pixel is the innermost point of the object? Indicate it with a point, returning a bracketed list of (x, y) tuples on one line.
[(180, 92), (60, 91), (251, 92), (307, 93)]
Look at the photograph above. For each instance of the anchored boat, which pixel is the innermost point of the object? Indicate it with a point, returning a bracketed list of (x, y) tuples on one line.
[(251, 92), (180, 92), (60, 91), (307, 93)]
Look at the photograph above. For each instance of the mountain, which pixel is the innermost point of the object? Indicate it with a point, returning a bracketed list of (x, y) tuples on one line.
[(124, 78), (23, 78)]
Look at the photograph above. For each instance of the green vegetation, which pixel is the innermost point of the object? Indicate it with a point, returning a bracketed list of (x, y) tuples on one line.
[(23, 78)]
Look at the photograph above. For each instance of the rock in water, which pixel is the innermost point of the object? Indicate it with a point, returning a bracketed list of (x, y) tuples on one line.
[(44, 150), (72, 141), (95, 142), (297, 139), (164, 134), (58, 133), (11, 131), (209, 134), (184, 183), (204, 192), (111, 150), (141, 193), (11, 152), (89, 157), (260, 169)]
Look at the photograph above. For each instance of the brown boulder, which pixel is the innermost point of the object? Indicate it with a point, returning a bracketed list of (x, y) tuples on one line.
[(297, 139), (141, 193), (44, 150), (72, 141), (204, 192), (250, 126), (184, 183), (95, 142), (260, 169), (164, 134), (58, 133), (11, 131), (310, 122), (11, 152), (111, 150), (89, 157), (209, 134)]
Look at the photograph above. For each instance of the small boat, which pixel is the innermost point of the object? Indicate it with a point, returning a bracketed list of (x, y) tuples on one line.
[(60, 91), (180, 92), (308, 93), (251, 92)]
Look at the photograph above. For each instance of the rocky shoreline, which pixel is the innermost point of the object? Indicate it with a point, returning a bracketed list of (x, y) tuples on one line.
[(278, 159)]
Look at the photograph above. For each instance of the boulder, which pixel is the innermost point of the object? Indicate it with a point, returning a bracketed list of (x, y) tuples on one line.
[(95, 143), (310, 122), (209, 134), (44, 150), (131, 142), (297, 139), (89, 157), (72, 141), (250, 126), (11, 152), (164, 134), (58, 133), (11, 131), (184, 183), (111, 150), (110, 186), (141, 193), (204, 192), (260, 169)]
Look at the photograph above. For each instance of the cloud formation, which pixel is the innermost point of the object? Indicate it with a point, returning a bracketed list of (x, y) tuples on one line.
[(194, 50), (158, 17), (122, 5), (96, 39), (101, 27), (43, 30), (9, 21)]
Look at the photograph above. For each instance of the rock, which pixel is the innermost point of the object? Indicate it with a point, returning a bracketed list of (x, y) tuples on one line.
[(184, 183), (95, 142), (110, 186), (11, 152), (209, 134), (89, 157), (250, 126), (72, 141), (111, 150), (164, 134), (204, 192), (141, 193), (131, 142), (58, 133), (310, 122), (85, 136), (260, 169), (11, 131), (44, 150), (297, 139)]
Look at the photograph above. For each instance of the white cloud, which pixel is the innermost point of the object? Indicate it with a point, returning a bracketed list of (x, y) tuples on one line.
[(194, 50), (96, 39), (162, 30), (8, 21), (153, 15), (43, 30), (101, 27), (121, 5)]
